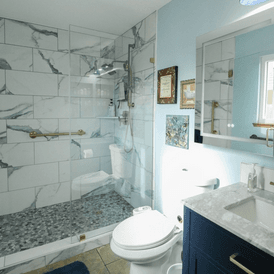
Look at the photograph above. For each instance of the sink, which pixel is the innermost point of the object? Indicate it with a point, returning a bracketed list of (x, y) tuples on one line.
[(255, 210)]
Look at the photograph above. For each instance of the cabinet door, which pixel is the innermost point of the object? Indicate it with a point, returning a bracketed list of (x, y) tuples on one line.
[(201, 265)]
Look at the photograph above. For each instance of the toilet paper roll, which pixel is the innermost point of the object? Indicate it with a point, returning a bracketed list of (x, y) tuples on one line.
[(141, 209)]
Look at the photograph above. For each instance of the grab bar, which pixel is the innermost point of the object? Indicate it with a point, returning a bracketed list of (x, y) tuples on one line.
[(34, 134)]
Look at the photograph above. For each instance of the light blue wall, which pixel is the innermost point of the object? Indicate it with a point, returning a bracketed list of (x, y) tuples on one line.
[(179, 23)]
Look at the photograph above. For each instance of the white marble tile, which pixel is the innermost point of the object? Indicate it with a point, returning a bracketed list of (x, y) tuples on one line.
[(143, 109), (107, 48), (95, 147), (90, 126), (224, 111), (85, 86), (50, 61), (31, 83), (15, 201), (85, 44), (107, 88), (105, 164), (17, 154), (75, 149), (63, 85), (18, 130), (126, 42), (150, 27), (32, 176), (213, 53), (149, 82), (198, 93), (30, 35), (55, 151), (52, 194), (94, 107), (199, 57), (118, 47), (107, 128), (3, 132), (15, 58), (2, 30), (212, 91), (141, 58), (16, 107), (226, 90), (219, 70), (84, 166), (55, 107), (2, 82), (75, 65), (64, 171), (24, 267), (3, 180), (63, 40), (228, 49), (148, 133), (88, 64)]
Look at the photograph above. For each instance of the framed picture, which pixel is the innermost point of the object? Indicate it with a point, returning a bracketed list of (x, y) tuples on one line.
[(187, 94), (167, 86)]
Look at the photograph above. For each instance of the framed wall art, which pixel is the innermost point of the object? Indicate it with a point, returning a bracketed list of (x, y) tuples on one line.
[(187, 99), (167, 86)]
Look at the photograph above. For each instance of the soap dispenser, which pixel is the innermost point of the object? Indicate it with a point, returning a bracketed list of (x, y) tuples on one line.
[(252, 180)]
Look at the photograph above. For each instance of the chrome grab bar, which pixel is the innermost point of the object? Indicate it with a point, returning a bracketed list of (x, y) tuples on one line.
[(34, 134), (232, 259)]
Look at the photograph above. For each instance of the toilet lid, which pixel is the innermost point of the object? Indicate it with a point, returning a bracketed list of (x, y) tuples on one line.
[(143, 231)]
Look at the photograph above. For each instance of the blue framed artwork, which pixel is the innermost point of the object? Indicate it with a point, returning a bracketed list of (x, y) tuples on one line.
[(177, 128)]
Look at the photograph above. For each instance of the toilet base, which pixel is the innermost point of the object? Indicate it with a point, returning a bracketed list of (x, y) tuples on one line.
[(161, 265)]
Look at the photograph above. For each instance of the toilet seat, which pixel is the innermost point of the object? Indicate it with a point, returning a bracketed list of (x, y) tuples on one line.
[(144, 231)]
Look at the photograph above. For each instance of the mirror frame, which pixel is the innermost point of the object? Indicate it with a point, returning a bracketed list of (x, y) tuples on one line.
[(249, 23)]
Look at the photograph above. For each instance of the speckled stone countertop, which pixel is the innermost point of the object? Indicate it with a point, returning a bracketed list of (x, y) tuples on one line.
[(211, 205)]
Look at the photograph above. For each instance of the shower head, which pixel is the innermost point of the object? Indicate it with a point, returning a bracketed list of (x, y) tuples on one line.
[(107, 67)]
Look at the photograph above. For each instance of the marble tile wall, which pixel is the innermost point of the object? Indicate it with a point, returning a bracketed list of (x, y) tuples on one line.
[(34, 96), (138, 188), (218, 86)]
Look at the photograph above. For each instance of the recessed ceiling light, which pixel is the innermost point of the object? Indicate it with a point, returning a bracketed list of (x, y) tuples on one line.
[(251, 2)]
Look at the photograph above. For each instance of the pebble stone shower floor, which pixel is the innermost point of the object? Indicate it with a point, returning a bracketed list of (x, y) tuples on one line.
[(35, 227)]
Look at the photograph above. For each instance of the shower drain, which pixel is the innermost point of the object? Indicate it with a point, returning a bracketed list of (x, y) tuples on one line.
[(98, 212)]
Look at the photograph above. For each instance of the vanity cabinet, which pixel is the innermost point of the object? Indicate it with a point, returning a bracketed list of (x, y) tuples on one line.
[(207, 248)]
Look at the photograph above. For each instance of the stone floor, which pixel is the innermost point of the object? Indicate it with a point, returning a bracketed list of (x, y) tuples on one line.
[(98, 261), (35, 227)]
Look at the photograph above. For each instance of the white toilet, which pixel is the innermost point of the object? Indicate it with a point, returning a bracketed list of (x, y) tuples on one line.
[(150, 240)]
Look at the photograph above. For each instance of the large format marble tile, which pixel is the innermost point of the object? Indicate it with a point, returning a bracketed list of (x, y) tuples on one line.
[(118, 43), (31, 83), (64, 171), (55, 107), (15, 201), (107, 49), (12, 155), (14, 107), (84, 44), (15, 58), (94, 107), (18, 130), (30, 35), (90, 126), (89, 64), (84, 166), (32, 176), (55, 151), (3, 180), (219, 70), (228, 49), (143, 109), (105, 164), (3, 132), (150, 27), (52, 194), (2, 30), (213, 53), (50, 61), (63, 40)]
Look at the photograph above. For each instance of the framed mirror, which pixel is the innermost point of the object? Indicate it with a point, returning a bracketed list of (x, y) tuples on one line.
[(235, 85)]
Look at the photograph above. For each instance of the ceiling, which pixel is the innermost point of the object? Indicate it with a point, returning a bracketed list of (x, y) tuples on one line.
[(112, 16)]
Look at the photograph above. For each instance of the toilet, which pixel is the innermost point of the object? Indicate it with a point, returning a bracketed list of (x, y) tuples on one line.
[(150, 241)]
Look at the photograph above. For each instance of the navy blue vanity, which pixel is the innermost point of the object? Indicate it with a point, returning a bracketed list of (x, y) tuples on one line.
[(209, 248)]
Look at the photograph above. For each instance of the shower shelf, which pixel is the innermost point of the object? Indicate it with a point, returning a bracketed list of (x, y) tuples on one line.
[(107, 117)]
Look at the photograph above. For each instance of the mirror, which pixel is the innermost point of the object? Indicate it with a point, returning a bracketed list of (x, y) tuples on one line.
[(234, 85)]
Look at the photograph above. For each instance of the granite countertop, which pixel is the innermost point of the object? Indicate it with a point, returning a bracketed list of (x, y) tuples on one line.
[(211, 206)]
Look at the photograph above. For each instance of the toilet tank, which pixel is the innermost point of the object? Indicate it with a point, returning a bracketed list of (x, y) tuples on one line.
[(120, 162)]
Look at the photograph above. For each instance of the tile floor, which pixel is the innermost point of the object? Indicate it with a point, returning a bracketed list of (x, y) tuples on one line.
[(98, 261), (35, 227)]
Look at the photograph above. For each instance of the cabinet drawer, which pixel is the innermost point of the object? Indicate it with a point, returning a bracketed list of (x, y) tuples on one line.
[(219, 244)]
